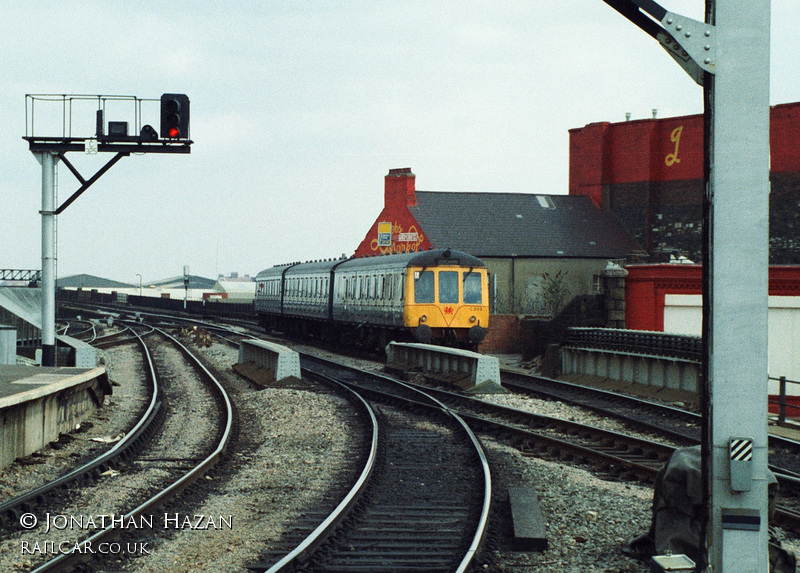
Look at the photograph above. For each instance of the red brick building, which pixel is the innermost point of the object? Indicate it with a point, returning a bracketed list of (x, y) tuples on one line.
[(649, 174), (647, 287)]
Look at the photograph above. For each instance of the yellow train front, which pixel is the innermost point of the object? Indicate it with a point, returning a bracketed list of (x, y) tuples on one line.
[(437, 296), (447, 301)]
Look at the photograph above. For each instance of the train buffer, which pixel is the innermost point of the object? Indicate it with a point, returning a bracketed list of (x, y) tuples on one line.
[(528, 526)]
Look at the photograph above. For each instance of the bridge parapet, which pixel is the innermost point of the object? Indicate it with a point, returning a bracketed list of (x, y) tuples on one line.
[(635, 356), (644, 341)]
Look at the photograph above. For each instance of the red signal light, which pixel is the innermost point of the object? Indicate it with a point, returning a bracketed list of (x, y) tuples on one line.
[(174, 116)]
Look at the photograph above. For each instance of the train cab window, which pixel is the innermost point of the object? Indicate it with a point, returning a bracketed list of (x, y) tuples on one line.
[(472, 288), (448, 287), (423, 286)]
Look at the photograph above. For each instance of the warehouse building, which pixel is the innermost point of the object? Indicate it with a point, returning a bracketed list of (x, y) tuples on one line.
[(533, 244), (649, 175)]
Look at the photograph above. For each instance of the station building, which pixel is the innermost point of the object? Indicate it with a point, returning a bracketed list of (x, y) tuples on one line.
[(524, 239)]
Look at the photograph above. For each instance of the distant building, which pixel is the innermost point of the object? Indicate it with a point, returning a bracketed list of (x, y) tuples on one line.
[(195, 283), (166, 288), (89, 282), (521, 237), (233, 289)]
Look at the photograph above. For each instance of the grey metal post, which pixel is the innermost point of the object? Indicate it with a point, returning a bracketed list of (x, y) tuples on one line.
[(739, 241), (48, 161)]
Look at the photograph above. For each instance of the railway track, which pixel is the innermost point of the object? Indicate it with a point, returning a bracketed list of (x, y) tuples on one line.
[(679, 424), (147, 423), (609, 468), (416, 505), (143, 481)]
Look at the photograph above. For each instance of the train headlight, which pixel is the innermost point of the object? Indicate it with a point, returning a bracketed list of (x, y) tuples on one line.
[(423, 318), (473, 318)]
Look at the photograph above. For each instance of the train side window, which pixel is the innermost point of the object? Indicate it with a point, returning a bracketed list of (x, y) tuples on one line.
[(472, 288), (448, 287), (423, 286)]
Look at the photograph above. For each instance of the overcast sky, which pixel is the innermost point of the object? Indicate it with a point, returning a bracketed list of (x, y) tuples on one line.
[(299, 109)]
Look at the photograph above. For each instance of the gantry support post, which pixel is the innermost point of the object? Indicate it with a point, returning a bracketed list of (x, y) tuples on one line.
[(728, 55), (48, 212), (737, 290)]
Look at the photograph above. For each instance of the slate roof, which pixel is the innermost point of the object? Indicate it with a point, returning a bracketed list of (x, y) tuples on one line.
[(521, 225), (195, 282), (89, 281)]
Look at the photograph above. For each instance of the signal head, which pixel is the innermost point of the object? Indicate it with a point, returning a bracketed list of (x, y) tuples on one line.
[(174, 116)]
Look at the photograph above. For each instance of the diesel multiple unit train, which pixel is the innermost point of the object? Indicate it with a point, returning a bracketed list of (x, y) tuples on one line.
[(437, 296)]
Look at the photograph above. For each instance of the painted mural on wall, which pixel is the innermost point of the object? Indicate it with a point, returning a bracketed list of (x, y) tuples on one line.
[(393, 238)]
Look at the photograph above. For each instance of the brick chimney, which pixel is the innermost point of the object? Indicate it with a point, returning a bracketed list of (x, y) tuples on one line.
[(399, 188)]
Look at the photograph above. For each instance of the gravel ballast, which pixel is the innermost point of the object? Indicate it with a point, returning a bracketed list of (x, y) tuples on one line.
[(292, 440)]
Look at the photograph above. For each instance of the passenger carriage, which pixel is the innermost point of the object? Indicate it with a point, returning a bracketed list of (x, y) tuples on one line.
[(436, 296)]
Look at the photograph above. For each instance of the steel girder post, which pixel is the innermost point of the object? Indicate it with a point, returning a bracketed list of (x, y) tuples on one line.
[(738, 287), (49, 162)]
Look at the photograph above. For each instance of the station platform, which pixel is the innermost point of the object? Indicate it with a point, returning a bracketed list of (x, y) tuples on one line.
[(38, 403)]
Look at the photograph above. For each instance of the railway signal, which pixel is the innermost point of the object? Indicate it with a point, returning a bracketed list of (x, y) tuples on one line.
[(174, 116), (50, 149)]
